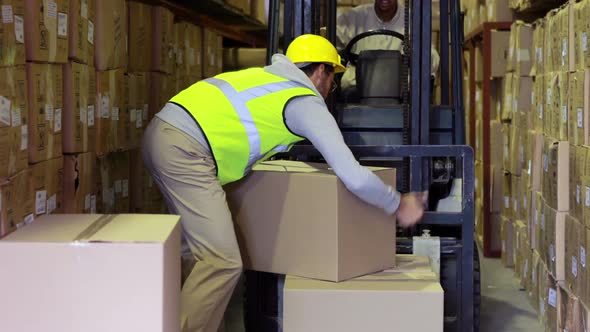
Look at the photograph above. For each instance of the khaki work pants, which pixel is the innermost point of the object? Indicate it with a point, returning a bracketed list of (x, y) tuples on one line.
[(185, 173)]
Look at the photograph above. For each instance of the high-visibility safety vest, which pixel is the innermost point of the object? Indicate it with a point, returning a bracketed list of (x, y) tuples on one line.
[(242, 116)]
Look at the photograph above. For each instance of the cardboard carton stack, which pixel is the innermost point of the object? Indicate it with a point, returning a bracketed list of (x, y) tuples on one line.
[(478, 12), (545, 113)]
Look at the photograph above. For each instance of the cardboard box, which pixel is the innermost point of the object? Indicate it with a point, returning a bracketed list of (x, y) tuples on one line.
[(114, 182), (548, 300), (496, 94), (564, 39), (567, 309), (507, 242), (518, 244), (506, 131), (556, 174), (140, 37), (538, 67), (138, 96), (520, 52), (538, 103), (16, 201), (550, 34), (508, 98), (13, 121), (144, 195), (45, 92), (161, 90), (554, 236), (48, 186), (516, 154), (190, 52), (499, 11), (212, 53), (313, 305), (162, 34), (79, 130), (507, 189), (500, 46), (81, 25), (237, 58), (12, 33), (576, 108), (112, 120), (79, 187), (522, 91), (586, 124), (535, 144), (575, 237), (551, 104), (111, 35), (46, 30), (534, 290), (560, 108), (332, 228), (76, 251)]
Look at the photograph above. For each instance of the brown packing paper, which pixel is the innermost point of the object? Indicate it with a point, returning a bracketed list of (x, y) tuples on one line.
[(81, 25), (327, 253), (13, 121), (45, 91), (110, 35), (162, 34), (47, 186), (75, 251), (47, 30), (140, 36), (79, 130), (12, 33), (79, 185)]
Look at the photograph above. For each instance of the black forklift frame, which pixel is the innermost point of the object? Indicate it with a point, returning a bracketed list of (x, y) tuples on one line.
[(302, 16)]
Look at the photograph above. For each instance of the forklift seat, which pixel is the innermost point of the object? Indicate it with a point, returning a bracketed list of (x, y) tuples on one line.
[(378, 77)]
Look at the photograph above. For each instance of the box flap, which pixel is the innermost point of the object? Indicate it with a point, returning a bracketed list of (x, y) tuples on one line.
[(97, 228), (302, 167)]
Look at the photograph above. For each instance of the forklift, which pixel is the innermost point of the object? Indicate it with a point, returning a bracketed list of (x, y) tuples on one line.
[(393, 123)]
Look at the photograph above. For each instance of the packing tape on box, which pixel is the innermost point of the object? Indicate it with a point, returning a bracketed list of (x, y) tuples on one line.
[(94, 228)]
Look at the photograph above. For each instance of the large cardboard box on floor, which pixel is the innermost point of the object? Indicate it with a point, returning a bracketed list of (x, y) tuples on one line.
[(16, 200), (130, 260), (80, 185), (12, 33), (79, 130), (162, 34), (140, 36), (212, 53), (13, 121), (48, 186), (312, 226), (407, 300), (45, 91), (81, 24), (46, 30), (112, 116), (111, 35)]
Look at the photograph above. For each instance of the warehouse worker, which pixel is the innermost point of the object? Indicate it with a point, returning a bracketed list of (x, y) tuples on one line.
[(384, 15), (212, 134)]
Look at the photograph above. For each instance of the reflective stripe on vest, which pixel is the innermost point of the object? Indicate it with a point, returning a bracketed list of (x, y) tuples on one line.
[(239, 99)]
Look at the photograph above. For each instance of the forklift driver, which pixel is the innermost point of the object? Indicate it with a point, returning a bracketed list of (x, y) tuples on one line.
[(383, 14), (213, 132)]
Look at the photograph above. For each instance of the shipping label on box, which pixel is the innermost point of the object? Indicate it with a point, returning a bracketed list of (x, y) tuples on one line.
[(45, 91), (140, 37), (81, 25), (47, 30), (48, 186), (12, 36), (162, 34), (111, 35), (79, 130), (13, 121), (80, 185)]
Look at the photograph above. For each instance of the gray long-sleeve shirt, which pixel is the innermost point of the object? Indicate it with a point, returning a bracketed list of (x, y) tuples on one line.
[(309, 117)]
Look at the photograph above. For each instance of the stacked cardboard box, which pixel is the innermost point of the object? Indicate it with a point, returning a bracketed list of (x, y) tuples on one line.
[(478, 12)]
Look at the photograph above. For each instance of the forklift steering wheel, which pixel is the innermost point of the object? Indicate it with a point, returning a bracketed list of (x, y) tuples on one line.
[(353, 57)]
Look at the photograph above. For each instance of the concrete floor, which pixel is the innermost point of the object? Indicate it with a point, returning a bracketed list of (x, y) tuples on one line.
[(504, 305)]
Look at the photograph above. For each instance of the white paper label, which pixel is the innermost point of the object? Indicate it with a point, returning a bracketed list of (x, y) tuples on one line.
[(477, 95), (40, 201), (83, 115), (16, 117), (588, 196), (536, 218), (507, 202), (179, 56), (526, 267), (515, 105), (51, 204), (92, 203), (145, 112), (549, 96), (52, 9), (578, 190), (49, 112), (6, 14), (506, 151), (90, 115), (87, 202), (104, 107), (530, 170), (542, 305), (84, 9), (580, 117), (583, 256), (542, 221), (118, 186), (540, 111), (29, 219), (524, 199), (5, 110), (62, 25), (584, 41), (533, 97), (19, 29), (574, 266), (24, 137), (139, 119), (57, 123), (476, 183), (211, 59), (90, 32), (515, 208), (115, 114), (545, 163), (132, 116), (564, 114), (552, 297), (125, 189), (552, 252), (190, 56)]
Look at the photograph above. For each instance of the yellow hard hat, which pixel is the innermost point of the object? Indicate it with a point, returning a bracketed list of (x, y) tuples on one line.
[(314, 48)]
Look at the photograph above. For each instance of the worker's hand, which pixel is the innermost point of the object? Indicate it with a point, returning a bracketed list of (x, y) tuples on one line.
[(411, 208)]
